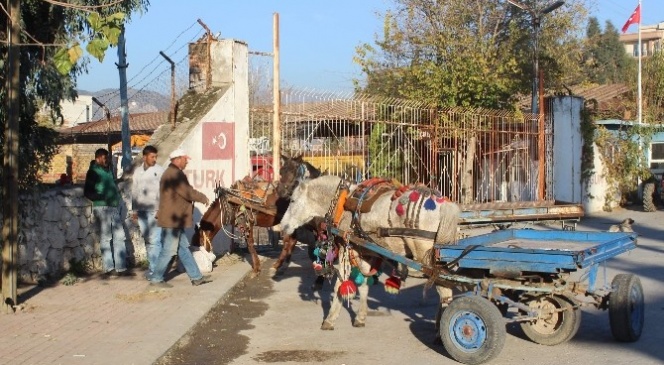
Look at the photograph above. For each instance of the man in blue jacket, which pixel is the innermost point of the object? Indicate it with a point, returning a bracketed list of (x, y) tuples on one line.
[(100, 188)]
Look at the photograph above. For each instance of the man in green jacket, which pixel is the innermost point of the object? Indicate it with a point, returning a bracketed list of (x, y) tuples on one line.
[(100, 188), (175, 213)]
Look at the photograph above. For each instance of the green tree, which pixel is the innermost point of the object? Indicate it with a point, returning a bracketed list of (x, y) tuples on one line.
[(615, 62), (48, 32), (604, 57), (469, 53), (652, 85), (591, 50)]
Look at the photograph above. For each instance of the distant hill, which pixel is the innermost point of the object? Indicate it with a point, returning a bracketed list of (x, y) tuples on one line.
[(143, 101)]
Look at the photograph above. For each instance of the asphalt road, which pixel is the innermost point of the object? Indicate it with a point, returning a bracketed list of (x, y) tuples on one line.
[(277, 321)]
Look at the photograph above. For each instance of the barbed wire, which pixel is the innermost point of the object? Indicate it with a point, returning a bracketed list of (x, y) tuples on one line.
[(158, 56), (156, 80)]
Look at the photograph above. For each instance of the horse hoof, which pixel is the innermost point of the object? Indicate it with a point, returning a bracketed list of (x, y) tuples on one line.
[(327, 326), (358, 324), (273, 271)]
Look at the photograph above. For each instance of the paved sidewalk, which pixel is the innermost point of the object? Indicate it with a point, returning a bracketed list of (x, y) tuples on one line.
[(120, 320), (125, 321)]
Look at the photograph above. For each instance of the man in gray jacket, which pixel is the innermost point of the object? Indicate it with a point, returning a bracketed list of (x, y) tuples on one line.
[(145, 203)]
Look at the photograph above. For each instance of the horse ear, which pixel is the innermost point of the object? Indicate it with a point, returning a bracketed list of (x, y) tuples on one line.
[(300, 157)]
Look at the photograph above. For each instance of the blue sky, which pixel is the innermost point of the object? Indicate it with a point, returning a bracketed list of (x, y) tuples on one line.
[(318, 38)]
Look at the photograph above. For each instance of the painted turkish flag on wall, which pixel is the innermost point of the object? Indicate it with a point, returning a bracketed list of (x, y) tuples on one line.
[(218, 140)]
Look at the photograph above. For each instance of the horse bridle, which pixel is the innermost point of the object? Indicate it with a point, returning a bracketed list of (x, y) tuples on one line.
[(301, 172), (300, 176)]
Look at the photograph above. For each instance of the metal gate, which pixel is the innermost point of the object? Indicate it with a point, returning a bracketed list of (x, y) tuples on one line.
[(472, 156)]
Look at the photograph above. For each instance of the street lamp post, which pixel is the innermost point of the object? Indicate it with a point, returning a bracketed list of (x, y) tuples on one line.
[(536, 16)]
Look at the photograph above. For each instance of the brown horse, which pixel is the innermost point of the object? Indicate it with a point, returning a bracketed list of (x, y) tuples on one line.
[(248, 204)]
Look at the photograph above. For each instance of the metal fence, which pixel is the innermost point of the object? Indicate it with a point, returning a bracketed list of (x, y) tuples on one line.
[(470, 155)]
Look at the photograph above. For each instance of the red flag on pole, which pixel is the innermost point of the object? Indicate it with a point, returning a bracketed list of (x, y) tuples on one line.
[(635, 18)]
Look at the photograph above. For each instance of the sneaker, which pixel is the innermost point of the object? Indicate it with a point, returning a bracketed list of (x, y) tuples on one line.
[(107, 275), (124, 273), (201, 281), (161, 284), (147, 275)]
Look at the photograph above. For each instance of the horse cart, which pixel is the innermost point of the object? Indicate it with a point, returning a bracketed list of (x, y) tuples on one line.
[(536, 278)]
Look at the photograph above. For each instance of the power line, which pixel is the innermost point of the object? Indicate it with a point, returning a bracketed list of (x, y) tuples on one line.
[(83, 7)]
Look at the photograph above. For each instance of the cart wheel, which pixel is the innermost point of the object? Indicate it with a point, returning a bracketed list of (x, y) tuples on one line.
[(558, 321), (626, 308), (472, 330)]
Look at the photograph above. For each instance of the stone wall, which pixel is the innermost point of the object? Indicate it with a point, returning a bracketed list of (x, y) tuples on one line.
[(57, 228)]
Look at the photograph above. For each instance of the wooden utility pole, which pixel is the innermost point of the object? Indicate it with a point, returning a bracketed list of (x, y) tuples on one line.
[(276, 107), (173, 101), (10, 164), (541, 139)]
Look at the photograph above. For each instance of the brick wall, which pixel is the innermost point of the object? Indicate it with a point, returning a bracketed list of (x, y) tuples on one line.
[(74, 160)]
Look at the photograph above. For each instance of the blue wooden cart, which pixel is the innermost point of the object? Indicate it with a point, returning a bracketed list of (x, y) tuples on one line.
[(527, 276)]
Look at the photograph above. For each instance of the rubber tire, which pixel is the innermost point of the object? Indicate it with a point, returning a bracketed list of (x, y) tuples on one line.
[(648, 192), (560, 326), (476, 314), (626, 309)]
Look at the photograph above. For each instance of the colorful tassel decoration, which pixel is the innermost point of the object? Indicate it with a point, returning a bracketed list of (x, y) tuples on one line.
[(403, 200), (317, 266), (414, 196), (392, 285), (357, 276), (331, 255), (347, 290), (441, 200), (400, 210), (430, 204)]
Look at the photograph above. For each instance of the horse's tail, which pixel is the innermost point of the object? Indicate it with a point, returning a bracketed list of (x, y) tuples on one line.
[(449, 220)]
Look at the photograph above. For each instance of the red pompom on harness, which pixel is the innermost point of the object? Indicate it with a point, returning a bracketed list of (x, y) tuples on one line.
[(347, 290), (393, 285)]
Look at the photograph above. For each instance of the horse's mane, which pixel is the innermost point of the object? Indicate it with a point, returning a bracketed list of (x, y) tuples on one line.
[(313, 171)]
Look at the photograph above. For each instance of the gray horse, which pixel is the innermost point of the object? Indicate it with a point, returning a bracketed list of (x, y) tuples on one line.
[(415, 208)]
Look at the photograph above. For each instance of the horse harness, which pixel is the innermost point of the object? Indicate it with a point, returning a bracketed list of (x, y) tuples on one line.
[(239, 204)]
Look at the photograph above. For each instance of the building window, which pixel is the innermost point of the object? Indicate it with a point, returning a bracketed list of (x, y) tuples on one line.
[(635, 50), (657, 156)]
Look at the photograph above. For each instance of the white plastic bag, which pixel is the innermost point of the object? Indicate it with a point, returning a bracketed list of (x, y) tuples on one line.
[(203, 258)]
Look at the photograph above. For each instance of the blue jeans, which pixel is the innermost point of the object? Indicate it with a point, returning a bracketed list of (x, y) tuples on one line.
[(175, 241), (151, 233), (111, 238)]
